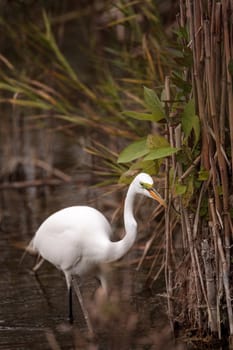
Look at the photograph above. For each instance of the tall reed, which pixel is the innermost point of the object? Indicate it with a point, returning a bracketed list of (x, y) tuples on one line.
[(199, 271)]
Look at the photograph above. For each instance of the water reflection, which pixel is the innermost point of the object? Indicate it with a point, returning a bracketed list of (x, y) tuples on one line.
[(33, 311), (29, 306)]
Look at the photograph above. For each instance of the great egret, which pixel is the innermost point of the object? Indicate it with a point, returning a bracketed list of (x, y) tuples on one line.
[(77, 239)]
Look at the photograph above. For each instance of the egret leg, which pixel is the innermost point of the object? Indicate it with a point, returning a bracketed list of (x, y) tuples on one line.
[(42, 290), (84, 310), (71, 316), (70, 301), (39, 262), (103, 282)]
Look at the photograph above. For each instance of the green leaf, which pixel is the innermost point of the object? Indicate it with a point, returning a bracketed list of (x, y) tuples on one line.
[(190, 121), (156, 141), (180, 189), (181, 83), (203, 175), (182, 33), (186, 117), (27, 103), (187, 196), (196, 128), (139, 115), (135, 150), (154, 104), (148, 166), (161, 153)]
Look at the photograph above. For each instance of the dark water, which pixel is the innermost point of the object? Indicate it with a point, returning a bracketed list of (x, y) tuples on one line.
[(30, 307), (33, 310)]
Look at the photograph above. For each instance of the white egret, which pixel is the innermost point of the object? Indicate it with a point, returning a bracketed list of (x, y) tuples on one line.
[(77, 239)]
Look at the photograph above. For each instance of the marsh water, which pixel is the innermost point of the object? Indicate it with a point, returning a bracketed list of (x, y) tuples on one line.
[(33, 308)]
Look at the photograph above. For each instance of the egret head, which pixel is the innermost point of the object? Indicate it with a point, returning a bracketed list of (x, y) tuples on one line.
[(144, 185)]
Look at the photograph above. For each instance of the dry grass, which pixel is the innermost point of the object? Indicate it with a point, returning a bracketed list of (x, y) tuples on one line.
[(198, 272)]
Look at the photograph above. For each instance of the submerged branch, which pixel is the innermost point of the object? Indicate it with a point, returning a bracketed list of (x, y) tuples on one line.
[(32, 183)]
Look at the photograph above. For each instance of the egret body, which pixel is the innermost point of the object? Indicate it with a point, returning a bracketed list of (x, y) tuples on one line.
[(77, 240)]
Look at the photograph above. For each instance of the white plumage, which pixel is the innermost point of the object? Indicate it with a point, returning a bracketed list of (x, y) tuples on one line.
[(77, 240)]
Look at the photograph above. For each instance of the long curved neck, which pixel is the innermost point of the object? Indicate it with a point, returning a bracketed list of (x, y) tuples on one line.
[(120, 248)]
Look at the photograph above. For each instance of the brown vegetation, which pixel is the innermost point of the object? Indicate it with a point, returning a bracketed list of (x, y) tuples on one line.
[(181, 132)]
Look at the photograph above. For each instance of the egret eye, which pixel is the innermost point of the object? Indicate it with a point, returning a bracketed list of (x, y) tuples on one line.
[(146, 186)]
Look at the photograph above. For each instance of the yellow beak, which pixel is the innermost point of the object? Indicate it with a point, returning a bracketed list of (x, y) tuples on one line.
[(154, 194)]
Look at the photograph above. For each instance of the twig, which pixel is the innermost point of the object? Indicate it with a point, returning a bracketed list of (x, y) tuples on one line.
[(210, 285), (193, 260), (224, 265), (190, 169), (52, 340)]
